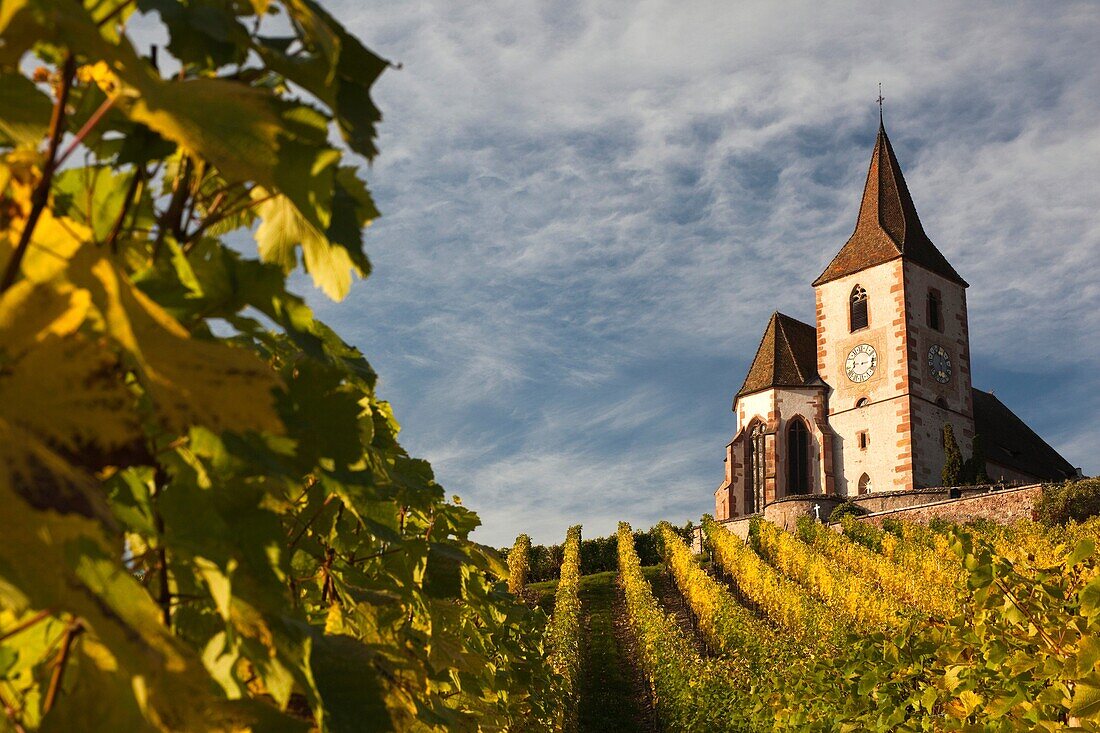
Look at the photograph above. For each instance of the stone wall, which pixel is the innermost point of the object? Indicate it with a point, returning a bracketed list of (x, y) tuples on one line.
[(994, 503), (889, 500), (886, 459), (738, 526), (1002, 507), (927, 417), (785, 512)]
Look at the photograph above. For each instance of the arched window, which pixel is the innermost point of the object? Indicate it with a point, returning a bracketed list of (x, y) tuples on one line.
[(935, 310), (864, 484), (941, 402), (861, 402), (757, 464), (857, 309), (798, 458)]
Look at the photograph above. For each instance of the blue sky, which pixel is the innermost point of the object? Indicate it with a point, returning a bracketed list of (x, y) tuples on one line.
[(590, 209)]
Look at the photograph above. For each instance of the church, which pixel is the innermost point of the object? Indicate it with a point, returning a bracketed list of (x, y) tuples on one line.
[(857, 402)]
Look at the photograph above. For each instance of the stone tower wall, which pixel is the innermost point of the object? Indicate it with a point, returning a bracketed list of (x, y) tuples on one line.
[(888, 458), (955, 397)]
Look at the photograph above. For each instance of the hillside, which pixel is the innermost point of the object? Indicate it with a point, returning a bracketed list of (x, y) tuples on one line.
[(981, 627)]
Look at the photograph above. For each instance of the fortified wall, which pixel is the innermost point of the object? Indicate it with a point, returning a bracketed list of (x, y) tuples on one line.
[(994, 502)]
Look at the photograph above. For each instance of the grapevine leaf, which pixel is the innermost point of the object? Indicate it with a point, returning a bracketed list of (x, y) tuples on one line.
[(283, 229), (349, 684), (26, 114), (246, 132), (1088, 654), (58, 392), (1081, 552), (205, 35), (1086, 698), (96, 695), (91, 196), (340, 75), (192, 381), (1089, 598), (66, 562)]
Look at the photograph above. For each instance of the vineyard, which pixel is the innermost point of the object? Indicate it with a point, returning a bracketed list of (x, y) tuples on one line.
[(856, 628), (209, 523)]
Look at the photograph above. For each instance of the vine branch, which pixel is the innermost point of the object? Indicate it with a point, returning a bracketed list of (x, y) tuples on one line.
[(41, 192), (74, 630), (26, 624)]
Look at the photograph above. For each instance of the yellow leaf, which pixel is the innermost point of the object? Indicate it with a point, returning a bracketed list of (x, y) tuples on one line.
[(189, 380), (197, 382), (284, 228), (30, 314), (59, 391)]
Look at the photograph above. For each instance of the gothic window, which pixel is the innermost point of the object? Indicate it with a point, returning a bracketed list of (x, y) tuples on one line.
[(754, 486), (857, 309), (935, 310), (798, 458), (864, 484)]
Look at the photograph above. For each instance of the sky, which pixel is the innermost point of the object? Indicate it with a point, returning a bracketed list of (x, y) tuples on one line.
[(590, 209)]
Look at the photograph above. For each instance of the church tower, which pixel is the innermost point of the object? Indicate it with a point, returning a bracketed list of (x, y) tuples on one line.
[(892, 343)]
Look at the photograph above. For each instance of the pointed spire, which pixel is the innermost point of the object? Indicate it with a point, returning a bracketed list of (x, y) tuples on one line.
[(888, 226), (786, 357)]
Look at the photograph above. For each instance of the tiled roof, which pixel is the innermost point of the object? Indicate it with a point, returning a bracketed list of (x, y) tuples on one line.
[(888, 226), (1009, 442), (787, 356)]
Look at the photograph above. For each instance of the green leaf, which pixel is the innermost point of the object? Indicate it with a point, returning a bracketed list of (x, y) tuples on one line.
[(1088, 654), (1089, 598), (24, 111), (1083, 551), (205, 35), (8, 657), (92, 196), (340, 72), (1086, 699), (350, 686)]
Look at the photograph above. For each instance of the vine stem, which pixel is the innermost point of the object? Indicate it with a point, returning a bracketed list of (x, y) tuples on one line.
[(26, 624), (1030, 618), (42, 191), (316, 514), (173, 215), (12, 714), (74, 629), (112, 238), (83, 132)]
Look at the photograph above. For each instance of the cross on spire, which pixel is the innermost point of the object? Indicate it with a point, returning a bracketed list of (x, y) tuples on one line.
[(880, 100)]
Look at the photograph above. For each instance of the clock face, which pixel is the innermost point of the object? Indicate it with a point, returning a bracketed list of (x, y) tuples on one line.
[(861, 363), (939, 363)]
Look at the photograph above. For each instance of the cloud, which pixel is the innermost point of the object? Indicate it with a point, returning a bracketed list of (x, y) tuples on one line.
[(592, 207)]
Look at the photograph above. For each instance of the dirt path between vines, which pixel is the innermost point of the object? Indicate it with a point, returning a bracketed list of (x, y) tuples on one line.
[(614, 695), (672, 601)]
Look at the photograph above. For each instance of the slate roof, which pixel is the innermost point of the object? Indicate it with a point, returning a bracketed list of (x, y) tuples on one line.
[(1009, 442), (786, 357), (888, 226)]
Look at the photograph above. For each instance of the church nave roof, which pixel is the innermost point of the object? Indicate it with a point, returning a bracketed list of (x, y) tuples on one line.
[(786, 357)]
